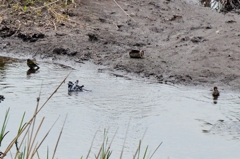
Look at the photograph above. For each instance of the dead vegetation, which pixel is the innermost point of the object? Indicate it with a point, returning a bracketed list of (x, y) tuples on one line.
[(222, 5), (230, 4), (41, 13)]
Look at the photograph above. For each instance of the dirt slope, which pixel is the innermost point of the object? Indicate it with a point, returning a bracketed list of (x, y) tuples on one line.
[(183, 43)]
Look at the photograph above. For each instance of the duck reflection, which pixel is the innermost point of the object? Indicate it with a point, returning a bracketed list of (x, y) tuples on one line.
[(32, 70)]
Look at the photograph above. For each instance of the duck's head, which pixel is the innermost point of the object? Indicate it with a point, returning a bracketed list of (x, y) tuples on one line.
[(215, 88), (28, 60)]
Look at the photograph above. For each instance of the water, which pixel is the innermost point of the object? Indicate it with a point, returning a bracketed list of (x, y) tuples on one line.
[(185, 119), (214, 4)]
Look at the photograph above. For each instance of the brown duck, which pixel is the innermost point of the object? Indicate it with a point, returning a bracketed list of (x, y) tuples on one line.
[(215, 92), (32, 64)]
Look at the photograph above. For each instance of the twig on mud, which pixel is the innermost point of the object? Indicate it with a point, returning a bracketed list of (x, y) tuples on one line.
[(83, 25), (46, 5), (61, 18), (4, 11), (17, 28), (58, 18), (55, 27), (115, 25), (124, 11)]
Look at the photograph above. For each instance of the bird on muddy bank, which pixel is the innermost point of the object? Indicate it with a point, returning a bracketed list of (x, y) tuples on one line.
[(215, 92), (32, 64)]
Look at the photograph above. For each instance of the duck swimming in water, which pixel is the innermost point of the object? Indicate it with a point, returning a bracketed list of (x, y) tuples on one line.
[(2, 98), (32, 64), (74, 87), (215, 92)]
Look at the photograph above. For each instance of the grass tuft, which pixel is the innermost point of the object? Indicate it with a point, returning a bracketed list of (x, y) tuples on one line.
[(3, 133)]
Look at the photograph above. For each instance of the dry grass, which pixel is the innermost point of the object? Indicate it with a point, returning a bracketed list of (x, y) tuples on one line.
[(226, 5), (41, 12)]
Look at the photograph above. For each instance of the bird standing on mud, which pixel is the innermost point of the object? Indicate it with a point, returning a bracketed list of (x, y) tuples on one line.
[(32, 64), (215, 92)]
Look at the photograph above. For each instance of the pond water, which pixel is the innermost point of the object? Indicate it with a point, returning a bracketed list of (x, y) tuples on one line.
[(184, 118), (214, 4)]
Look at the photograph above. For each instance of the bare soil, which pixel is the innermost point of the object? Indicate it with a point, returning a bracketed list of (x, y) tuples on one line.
[(183, 43)]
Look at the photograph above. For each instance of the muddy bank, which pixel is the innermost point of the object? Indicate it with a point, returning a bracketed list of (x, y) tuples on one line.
[(183, 43)]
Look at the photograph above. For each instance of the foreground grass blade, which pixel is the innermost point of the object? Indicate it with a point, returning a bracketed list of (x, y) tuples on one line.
[(30, 121), (155, 150), (38, 146), (145, 153), (108, 150), (138, 150), (124, 140), (3, 134), (103, 152), (91, 144), (33, 125), (34, 138), (139, 146), (19, 130), (22, 154), (55, 149)]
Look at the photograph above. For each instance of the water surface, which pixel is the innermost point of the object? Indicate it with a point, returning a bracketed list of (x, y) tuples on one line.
[(185, 119)]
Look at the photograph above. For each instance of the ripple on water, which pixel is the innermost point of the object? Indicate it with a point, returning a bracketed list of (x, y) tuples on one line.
[(175, 115)]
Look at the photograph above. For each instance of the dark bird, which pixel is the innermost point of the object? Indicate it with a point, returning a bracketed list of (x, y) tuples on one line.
[(74, 87), (2, 98), (215, 92), (32, 64)]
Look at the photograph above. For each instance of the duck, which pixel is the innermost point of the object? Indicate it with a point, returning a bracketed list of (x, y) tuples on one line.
[(215, 92), (32, 64), (74, 87), (2, 98)]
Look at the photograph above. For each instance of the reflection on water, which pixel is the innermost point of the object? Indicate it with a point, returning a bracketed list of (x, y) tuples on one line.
[(32, 70), (3, 62), (174, 115), (214, 4)]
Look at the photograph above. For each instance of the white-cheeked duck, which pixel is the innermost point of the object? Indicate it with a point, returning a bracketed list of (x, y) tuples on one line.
[(74, 87)]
